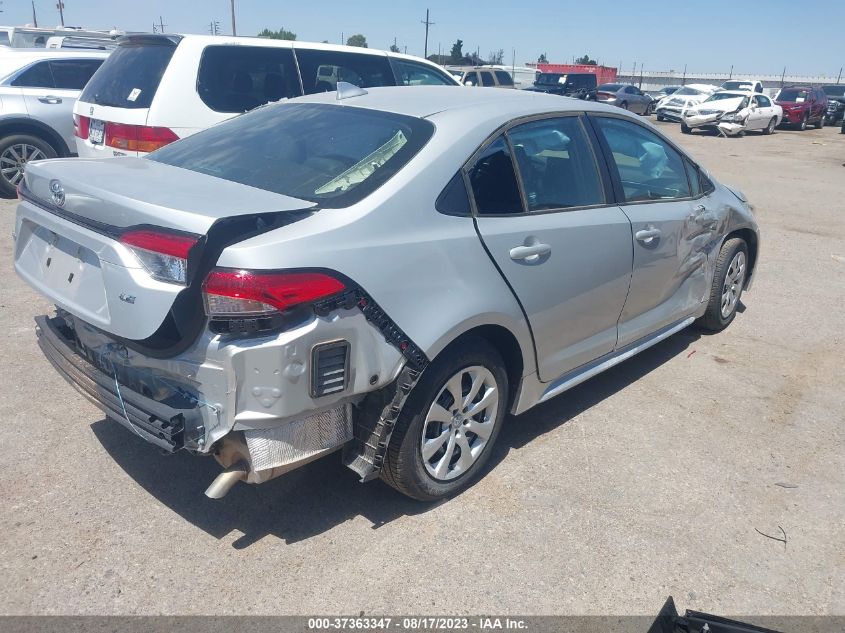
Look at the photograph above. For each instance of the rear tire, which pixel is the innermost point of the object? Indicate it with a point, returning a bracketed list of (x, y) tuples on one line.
[(15, 151), (820, 123), (728, 282), (770, 128), (438, 473)]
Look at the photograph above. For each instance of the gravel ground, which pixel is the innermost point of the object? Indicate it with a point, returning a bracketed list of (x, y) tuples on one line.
[(648, 481)]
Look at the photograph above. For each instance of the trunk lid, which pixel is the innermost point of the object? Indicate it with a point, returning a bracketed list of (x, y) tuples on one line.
[(74, 211)]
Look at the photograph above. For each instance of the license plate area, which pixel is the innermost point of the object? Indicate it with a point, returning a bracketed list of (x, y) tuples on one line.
[(96, 132)]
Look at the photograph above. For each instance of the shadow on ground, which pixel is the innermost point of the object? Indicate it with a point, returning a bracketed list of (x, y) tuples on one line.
[(324, 494)]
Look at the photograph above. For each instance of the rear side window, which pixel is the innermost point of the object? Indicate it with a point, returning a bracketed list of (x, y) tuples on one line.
[(493, 181), (504, 78), (36, 76), (240, 78), (321, 70), (556, 164), (130, 76), (694, 179), (73, 74), (414, 74), (648, 167), (328, 154), (487, 79)]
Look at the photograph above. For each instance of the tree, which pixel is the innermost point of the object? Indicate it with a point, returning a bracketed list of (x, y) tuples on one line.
[(542, 59), (281, 34), (357, 40), (586, 60), (457, 53), (394, 48), (496, 57)]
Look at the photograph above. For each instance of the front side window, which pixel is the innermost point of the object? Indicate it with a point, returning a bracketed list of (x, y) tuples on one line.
[(556, 164), (321, 70), (73, 74), (36, 76), (414, 74), (328, 154), (493, 181), (471, 79), (240, 78), (648, 167), (487, 80)]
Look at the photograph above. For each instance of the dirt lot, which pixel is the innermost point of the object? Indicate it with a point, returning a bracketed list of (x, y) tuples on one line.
[(649, 480)]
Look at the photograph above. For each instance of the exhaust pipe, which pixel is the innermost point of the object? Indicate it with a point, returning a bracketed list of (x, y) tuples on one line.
[(223, 483)]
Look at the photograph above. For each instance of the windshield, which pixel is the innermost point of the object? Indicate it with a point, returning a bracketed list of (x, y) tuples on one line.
[(686, 91), (722, 96), (737, 85), (329, 154), (548, 79), (834, 91), (130, 76), (793, 94)]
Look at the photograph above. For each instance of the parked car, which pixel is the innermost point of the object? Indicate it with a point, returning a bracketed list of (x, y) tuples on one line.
[(155, 89), (835, 103), (802, 106), (733, 113), (523, 76), (674, 106), (578, 85), (664, 92), (482, 77), (743, 85), (625, 96), (229, 295), (37, 91)]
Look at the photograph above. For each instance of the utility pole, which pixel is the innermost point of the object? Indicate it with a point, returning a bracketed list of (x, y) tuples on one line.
[(684, 81), (161, 24), (234, 28), (837, 79), (35, 18), (427, 23), (783, 76), (214, 27), (61, 7), (731, 76)]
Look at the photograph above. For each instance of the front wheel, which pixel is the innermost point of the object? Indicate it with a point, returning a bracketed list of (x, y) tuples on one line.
[(820, 123), (686, 129), (803, 124), (728, 283), (446, 430), (660, 117)]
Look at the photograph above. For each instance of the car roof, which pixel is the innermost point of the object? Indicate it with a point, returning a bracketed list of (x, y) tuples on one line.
[(481, 104), (50, 53)]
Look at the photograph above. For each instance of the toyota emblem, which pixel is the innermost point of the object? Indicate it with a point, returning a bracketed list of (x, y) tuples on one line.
[(58, 193)]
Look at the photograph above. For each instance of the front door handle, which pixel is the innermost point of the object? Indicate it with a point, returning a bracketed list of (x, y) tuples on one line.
[(50, 99), (647, 235), (530, 253)]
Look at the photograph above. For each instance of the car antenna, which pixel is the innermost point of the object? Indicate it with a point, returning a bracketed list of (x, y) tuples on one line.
[(346, 90)]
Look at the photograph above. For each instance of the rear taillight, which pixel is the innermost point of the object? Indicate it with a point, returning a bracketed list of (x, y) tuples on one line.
[(248, 294), (138, 138), (604, 96), (163, 254), (80, 126)]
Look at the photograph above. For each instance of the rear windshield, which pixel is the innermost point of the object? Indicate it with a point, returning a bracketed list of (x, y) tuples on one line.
[(721, 96), (834, 91), (737, 85), (791, 94), (328, 154), (130, 76), (611, 87)]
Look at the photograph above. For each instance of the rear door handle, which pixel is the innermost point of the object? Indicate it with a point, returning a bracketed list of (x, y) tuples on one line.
[(50, 99), (646, 235), (530, 253)]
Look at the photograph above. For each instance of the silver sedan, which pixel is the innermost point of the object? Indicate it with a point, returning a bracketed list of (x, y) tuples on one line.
[(385, 273)]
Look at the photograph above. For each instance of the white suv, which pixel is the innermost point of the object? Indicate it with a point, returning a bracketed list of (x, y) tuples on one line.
[(156, 89)]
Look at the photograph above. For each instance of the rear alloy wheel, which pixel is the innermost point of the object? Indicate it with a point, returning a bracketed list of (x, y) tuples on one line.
[(728, 283), (449, 423), (770, 128), (803, 124), (15, 152)]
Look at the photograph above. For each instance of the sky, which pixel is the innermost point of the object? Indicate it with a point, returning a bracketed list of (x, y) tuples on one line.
[(755, 36)]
